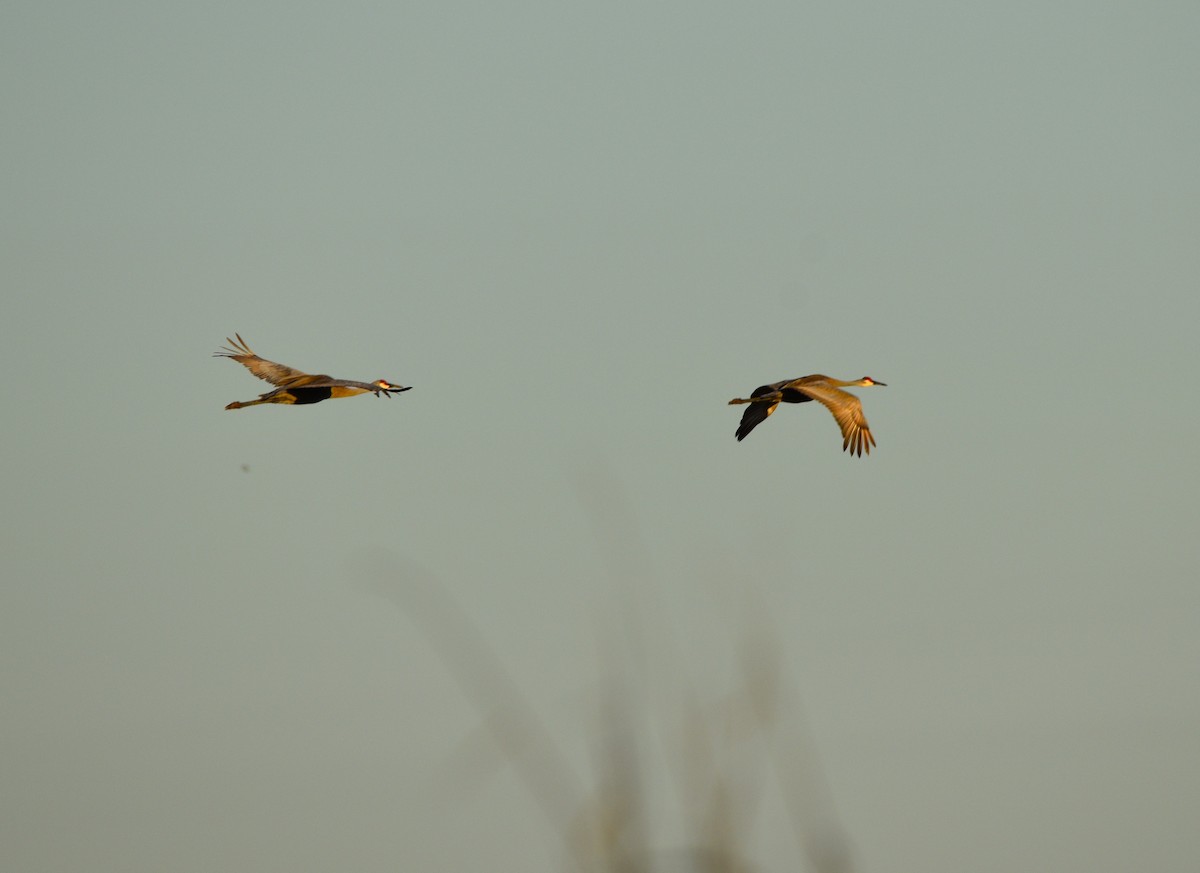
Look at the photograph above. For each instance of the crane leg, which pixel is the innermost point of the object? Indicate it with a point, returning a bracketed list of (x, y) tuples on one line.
[(772, 397), (273, 397)]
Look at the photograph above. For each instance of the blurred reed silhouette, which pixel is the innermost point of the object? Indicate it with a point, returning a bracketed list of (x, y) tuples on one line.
[(719, 757)]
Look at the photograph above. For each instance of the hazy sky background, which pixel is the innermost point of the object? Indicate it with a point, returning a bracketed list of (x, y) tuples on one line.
[(578, 231)]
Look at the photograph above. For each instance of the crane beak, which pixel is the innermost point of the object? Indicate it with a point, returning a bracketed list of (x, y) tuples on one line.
[(880, 384)]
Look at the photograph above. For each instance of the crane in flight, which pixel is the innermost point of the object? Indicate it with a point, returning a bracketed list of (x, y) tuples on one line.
[(294, 386), (846, 408)]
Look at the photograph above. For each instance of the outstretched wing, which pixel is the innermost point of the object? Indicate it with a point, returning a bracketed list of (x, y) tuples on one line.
[(277, 374), (847, 411), (756, 413)]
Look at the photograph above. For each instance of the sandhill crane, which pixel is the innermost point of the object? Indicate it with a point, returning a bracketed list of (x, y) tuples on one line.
[(296, 387), (846, 408)]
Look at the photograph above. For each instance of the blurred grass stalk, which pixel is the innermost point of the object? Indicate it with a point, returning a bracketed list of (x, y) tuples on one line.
[(719, 756)]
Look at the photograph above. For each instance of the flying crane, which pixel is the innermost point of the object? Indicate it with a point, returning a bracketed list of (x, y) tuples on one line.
[(295, 386), (846, 408)]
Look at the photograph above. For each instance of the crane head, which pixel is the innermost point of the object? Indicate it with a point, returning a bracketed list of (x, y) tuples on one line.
[(386, 388), (867, 380)]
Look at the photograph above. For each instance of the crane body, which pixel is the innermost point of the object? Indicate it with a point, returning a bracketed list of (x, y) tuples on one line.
[(846, 408), (296, 387)]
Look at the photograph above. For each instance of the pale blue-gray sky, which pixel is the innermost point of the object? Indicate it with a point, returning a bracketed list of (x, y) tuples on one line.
[(578, 232)]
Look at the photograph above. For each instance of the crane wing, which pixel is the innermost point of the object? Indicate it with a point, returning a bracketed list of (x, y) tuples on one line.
[(847, 411), (269, 371), (757, 413)]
